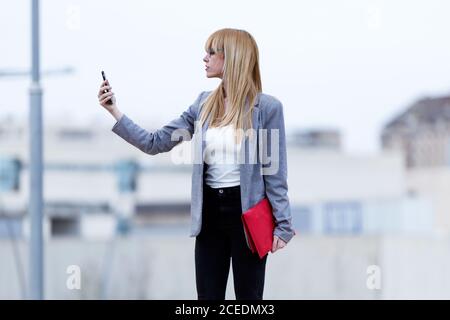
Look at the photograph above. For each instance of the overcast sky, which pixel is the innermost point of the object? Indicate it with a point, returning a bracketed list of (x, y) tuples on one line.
[(350, 65)]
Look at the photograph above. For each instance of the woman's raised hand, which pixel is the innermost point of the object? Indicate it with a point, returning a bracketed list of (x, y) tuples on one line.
[(107, 100)]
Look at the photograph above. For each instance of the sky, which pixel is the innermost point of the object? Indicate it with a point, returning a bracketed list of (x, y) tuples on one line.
[(347, 65)]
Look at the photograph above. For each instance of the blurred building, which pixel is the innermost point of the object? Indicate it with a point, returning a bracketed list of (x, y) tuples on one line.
[(421, 133), (315, 139), (348, 209), (339, 193), (96, 184)]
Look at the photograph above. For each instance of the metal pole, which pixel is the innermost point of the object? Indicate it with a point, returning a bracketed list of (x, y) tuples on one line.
[(35, 200)]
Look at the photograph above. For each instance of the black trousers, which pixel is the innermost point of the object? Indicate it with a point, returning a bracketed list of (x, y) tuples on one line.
[(222, 239)]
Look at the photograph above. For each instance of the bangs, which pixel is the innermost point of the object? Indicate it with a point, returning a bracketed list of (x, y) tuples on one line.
[(214, 42)]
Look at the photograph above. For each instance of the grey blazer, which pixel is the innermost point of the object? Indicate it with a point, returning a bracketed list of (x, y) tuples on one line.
[(258, 177)]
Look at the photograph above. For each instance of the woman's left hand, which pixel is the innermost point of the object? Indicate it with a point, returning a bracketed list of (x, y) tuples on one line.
[(277, 244)]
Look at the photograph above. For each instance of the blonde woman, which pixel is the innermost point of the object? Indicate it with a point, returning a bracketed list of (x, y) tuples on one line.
[(226, 123)]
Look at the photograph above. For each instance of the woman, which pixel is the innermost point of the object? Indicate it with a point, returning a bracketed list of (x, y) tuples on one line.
[(229, 117)]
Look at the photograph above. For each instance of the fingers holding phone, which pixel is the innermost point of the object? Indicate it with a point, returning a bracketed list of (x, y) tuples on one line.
[(105, 96), (107, 100)]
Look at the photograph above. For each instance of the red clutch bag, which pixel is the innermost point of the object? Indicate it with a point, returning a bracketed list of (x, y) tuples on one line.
[(259, 224)]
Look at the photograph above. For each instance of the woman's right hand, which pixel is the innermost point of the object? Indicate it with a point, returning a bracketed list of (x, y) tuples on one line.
[(104, 97)]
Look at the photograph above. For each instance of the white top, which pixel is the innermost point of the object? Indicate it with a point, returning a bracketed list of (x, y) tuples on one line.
[(222, 155)]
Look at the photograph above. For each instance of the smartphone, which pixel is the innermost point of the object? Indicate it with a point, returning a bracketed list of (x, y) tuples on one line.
[(104, 78)]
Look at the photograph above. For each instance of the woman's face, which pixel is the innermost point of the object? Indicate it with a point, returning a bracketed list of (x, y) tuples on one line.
[(214, 64)]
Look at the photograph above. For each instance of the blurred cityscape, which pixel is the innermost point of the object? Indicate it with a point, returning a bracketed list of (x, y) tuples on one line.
[(370, 225), (122, 216)]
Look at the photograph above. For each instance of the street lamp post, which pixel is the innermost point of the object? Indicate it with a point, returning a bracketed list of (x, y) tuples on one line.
[(36, 266)]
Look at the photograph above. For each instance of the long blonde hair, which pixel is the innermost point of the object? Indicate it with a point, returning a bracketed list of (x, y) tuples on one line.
[(242, 77)]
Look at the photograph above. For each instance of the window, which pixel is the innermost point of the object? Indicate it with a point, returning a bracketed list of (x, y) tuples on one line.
[(342, 217)]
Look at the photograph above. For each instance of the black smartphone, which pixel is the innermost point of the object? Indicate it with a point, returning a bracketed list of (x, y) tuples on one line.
[(104, 78)]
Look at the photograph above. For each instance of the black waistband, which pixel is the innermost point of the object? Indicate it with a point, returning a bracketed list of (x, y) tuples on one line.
[(223, 190)]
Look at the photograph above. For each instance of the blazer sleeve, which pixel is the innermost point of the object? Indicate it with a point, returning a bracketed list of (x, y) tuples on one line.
[(275, 175), (163, 139)]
